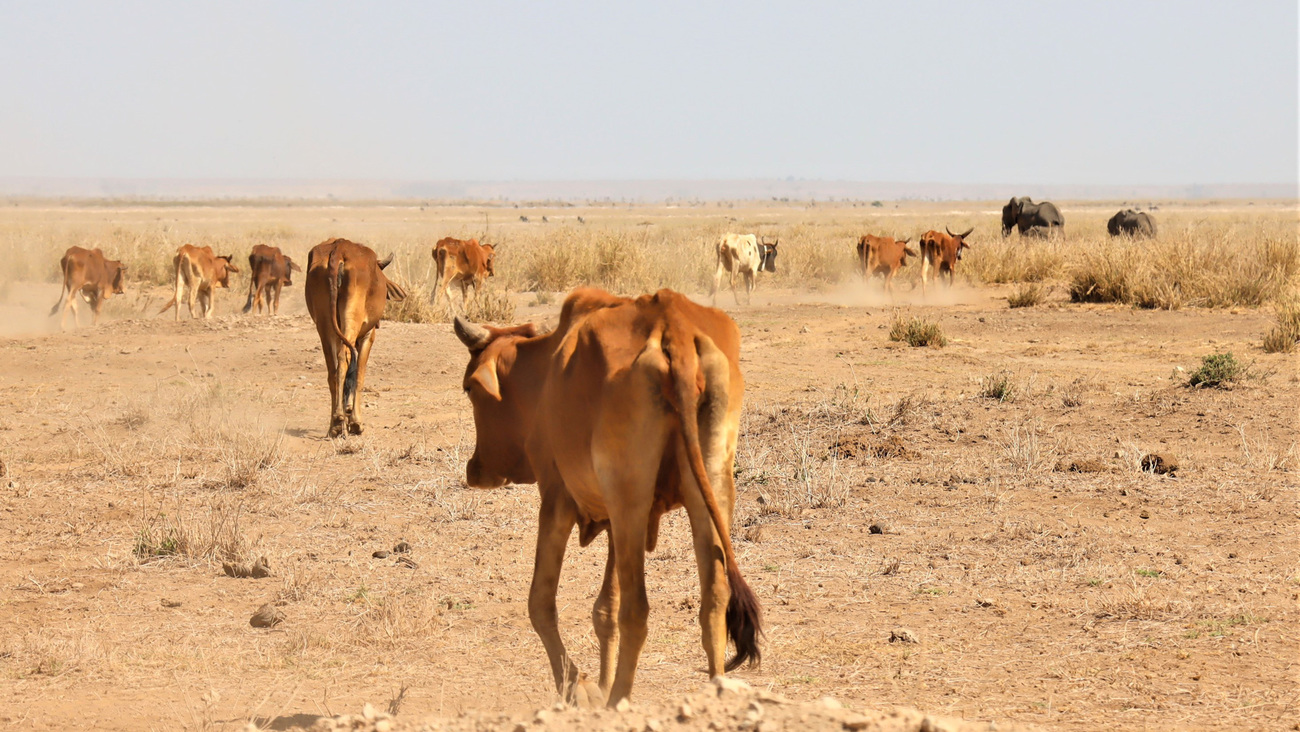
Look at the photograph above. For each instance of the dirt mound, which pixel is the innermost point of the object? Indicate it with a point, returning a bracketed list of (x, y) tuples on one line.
[(724, 704)]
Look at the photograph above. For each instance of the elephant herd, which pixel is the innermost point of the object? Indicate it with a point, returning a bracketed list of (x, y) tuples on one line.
[(1042, 219)]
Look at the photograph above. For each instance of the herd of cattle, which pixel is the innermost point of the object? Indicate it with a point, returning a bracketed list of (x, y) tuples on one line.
[(629, 409)]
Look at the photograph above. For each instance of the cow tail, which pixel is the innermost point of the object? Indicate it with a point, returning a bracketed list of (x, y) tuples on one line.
[(176, 265), (744, 616), (335, 270), (63, 289), (252, 285)]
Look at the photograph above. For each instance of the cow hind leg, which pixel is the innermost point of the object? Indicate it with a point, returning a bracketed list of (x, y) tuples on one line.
[(555, 522), (357, 379), (604, 617), (715, 592), (338, 359)]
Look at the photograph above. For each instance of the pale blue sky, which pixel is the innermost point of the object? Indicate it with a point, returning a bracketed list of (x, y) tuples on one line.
[(961, 92)]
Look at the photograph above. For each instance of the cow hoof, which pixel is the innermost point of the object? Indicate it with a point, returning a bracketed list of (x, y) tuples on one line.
[(336, 430), (354, 428)]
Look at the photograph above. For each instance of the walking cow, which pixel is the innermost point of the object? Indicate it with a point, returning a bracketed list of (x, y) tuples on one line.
[(346, 293)]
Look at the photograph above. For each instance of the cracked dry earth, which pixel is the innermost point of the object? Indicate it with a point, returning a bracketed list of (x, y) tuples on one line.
[(1046, 580)]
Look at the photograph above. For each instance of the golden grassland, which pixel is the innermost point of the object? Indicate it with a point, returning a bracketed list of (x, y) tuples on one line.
[(1215, 254)]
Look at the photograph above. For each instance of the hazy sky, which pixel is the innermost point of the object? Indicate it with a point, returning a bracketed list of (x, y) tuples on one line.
[(961, 92)]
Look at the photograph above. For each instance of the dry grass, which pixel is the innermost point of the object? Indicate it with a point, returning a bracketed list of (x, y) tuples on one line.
[(917, 332), (1204, 260), (213, 535), (1027, 296)]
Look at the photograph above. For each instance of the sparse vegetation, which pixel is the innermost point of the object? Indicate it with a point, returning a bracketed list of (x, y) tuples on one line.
[(1218, 370), (1000, 386), (917, 332), (1027, 296)]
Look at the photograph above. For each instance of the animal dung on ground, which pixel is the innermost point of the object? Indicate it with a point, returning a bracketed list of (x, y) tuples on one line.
[(902, 635), (267, 616), (381, 554), (406, 562), (256, 569), (401, 548), (876, 528), (1159, 464)]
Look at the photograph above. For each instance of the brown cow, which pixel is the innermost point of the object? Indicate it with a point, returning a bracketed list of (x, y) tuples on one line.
[(87, 274), (881, 255), (465, 262), (346, 293), (200, 272), (629, 409), (941, 252), (269, 271)]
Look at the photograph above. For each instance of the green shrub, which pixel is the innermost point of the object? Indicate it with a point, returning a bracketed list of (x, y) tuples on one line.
[(1218, 370)]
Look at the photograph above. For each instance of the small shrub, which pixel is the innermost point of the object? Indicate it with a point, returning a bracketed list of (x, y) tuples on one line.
[(1027, 296), (1000, 386), (917, 332), (1284, 336), (1218, 370)]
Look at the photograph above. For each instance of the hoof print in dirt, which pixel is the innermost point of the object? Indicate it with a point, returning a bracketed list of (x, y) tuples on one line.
[(402, 548), (1159, 464), (257, 569), (406, 562), (902, 635), (267, 616), (380, 554)]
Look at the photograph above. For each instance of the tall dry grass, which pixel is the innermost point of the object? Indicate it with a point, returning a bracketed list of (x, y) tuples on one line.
[(1205, 257)]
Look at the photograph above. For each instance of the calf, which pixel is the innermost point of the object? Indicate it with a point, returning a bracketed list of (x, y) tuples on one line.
[(941, 252), (200, 272), (463, 262), (346, 292), (743, 254), (88, 275), (269, 271), (881, 255)]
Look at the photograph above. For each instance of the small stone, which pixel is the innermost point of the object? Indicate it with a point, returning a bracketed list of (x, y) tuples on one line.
[(653, 725), (624, 706), (521, 727), (381, 554), (267, 616), (684, 712), (902, 635), (383, 725), (401, 548), (726, 684), (856, 722), (168, 602), (405, 561), (368, 712), (543, 716), (876, 528), (830, 702), (257, 569), (1144, 514)]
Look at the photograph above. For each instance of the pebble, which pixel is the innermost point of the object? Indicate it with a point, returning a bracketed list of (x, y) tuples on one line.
[(902, 635)]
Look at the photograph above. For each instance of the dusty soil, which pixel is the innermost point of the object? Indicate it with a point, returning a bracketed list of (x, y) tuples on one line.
[(1047, 579)]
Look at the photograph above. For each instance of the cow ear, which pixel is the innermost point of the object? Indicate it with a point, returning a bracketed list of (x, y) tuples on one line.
[(293, 266), (486, 376)]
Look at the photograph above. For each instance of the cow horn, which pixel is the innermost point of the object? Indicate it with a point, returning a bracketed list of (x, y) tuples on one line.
[(945, 228), (473, 336), (966, 233), (384, 264)]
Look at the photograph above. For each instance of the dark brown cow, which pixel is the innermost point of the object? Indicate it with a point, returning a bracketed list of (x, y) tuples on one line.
[(629, 409), (346, 293), (269, 271), (200, 272), (465, 262), (87, 274), (881, 255), (941, 252)]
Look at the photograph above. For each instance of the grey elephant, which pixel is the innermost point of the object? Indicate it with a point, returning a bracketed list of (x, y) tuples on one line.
[(1132, 223), (1023, 214)]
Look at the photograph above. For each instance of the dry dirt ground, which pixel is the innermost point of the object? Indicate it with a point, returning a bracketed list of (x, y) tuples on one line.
[(1048, 580)]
